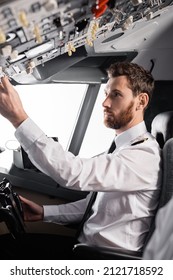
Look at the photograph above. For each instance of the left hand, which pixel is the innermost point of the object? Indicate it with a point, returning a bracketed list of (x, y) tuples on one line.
[(32, 211)]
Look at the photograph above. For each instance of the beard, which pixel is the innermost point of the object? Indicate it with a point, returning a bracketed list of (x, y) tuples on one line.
[(121, 120)]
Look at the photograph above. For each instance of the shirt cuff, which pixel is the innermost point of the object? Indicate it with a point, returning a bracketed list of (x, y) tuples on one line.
[(27, 133), (51, 213)]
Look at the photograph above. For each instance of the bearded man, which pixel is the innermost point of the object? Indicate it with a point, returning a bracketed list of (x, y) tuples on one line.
[(126, 179)]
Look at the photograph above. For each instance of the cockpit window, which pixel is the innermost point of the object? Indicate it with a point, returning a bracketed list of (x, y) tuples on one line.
[(54, 107)]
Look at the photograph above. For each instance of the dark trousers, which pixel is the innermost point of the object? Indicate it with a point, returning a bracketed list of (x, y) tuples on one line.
[(37, 247)]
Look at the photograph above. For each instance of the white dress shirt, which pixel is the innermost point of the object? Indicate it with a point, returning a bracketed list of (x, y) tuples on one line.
[(128, 182), (160, 246)]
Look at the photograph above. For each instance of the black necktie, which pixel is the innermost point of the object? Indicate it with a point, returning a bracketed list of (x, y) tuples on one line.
[(112, 147), (92, 200)]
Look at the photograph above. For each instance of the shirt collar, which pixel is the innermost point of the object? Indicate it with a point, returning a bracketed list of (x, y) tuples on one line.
[(130, 135)]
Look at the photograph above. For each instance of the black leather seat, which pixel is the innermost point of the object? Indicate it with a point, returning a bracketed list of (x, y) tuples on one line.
[(162, 127), (167, 186)]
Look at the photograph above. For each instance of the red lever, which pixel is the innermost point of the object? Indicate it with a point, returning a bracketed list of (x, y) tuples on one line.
[(100, 8)]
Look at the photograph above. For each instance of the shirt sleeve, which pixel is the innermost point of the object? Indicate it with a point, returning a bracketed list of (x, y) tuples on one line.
[(66, 213), (130, 169)]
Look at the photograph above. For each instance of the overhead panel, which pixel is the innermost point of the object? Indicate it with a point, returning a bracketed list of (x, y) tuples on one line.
[(35, 32)]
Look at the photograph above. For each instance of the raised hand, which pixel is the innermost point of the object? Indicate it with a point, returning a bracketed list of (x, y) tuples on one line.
[(10, 104)]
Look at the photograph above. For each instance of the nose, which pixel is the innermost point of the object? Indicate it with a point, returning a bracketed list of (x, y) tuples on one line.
[(107, 102)]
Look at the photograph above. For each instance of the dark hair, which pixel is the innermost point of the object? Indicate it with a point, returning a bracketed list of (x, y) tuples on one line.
[(140, 80)]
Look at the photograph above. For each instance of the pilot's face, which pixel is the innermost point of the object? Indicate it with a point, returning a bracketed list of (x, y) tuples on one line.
[(120, 106)]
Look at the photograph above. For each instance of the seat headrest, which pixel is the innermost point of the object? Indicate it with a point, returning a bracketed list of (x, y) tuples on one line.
[(162, 127)]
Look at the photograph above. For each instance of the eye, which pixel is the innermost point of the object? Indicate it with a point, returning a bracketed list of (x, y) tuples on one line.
[(115, 94)]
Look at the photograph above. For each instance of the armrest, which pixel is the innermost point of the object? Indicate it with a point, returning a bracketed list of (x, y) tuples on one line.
[(86, 252)]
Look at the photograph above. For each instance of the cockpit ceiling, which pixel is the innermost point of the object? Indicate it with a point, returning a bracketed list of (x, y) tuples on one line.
[(35, 32)]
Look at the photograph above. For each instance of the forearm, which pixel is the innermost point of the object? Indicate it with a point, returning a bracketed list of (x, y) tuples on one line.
[(16, 120), (65, 213)]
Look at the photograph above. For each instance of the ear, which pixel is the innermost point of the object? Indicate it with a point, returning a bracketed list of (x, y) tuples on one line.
[(143, 100)]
